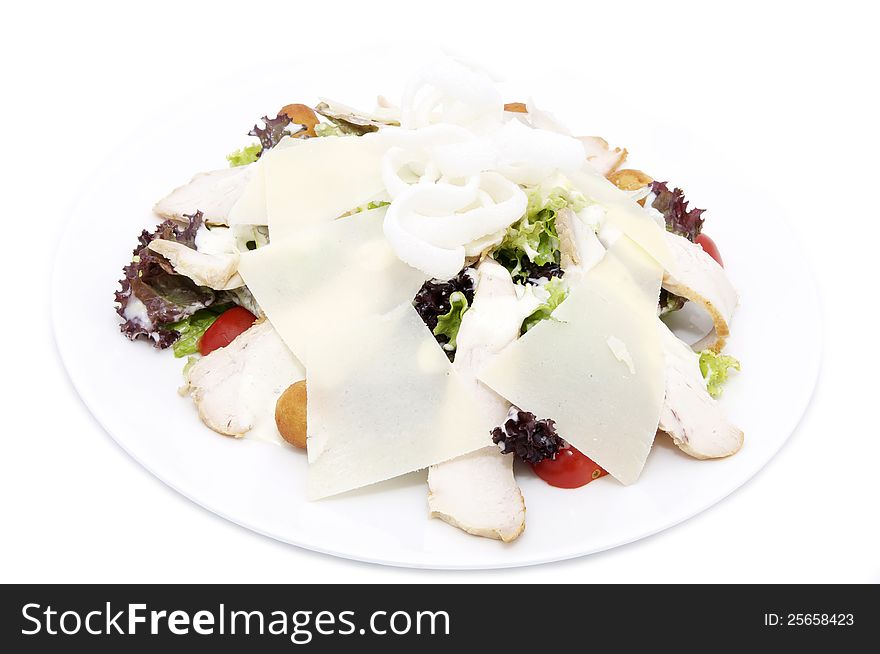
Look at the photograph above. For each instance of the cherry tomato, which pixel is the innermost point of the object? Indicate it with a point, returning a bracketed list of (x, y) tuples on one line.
[(570, 469), (230, 324), (711, 249)]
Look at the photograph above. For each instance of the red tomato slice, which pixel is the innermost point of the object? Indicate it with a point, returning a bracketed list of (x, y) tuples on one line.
[(711, 249), (570, 469), (230, 324)]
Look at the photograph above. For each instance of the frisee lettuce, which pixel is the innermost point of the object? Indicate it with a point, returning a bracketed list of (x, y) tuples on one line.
[(247, 155), (449, 323), (530, 248), (715, 368), (558, 290)]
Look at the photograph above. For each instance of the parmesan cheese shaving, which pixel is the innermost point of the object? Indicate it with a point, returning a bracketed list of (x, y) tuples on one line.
[(319, 180), (624, 213), (383, 401), (564, 369), (333, 274), (621, 353), (250, 208)]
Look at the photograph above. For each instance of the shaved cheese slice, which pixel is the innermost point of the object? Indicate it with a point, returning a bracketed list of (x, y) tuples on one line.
[(250, 208), (624, 213), (330, 275), (319, 180), (564, 369), (621, 353), (383, 401)]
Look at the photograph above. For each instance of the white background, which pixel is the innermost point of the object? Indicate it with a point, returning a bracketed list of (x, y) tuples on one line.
[(786, 89)]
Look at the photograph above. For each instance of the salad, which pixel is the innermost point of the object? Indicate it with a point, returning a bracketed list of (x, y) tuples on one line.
[(451, 283)]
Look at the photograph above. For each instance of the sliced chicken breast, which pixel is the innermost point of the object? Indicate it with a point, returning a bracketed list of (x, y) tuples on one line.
[(236, 387), (381, 117), (213, 193), (694, 420), (699, 278), (600, 156), (217, 271), (478, 492)]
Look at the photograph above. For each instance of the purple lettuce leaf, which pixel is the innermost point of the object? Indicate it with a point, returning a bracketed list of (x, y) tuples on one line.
[(530, 439), (152, 296), (275, 129), (674, 207), (433, 301)]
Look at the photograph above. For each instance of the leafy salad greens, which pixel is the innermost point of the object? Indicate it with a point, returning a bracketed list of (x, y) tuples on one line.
[(449, 323), (246, 155), (153, 297), (530, 249), (558, 291), (716, 369), (192, 328)]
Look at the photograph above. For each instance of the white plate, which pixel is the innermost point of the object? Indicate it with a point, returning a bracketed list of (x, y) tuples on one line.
[(131, 388)]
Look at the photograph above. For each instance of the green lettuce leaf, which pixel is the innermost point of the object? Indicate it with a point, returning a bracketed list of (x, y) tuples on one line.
[(449, 323), (375, 204), (530, 248), (715, 369), (247, 155), (328, 129), (558, 290), (191, 330)]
